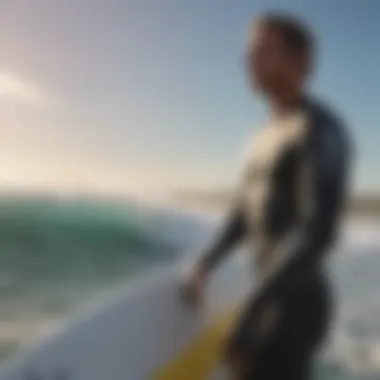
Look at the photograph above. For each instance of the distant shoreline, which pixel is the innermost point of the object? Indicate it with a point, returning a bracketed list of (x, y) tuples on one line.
[(209, 203)]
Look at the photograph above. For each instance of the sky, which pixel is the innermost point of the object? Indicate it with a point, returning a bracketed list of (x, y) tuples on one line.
[(149, 96)]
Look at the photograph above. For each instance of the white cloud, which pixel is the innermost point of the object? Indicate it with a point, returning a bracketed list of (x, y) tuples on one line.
[(13, 87)]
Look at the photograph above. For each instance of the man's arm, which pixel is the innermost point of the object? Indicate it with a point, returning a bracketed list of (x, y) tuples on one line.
[(232, 232), (328, 159)]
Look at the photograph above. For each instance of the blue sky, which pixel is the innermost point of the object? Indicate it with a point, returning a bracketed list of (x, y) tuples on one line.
[(145, 96)]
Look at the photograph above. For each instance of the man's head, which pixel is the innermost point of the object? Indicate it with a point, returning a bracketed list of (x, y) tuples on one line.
[(279, 53)]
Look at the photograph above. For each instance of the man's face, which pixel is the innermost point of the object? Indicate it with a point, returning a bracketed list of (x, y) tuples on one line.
[(269, 64)]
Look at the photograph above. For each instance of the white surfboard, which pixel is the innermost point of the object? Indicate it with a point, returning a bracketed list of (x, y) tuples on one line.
[(144, 332)]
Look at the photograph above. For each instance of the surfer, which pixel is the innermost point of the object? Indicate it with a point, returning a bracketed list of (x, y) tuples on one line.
[(287, 208)]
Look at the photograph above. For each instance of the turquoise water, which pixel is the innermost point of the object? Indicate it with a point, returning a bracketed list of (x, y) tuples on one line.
[(58, 255)]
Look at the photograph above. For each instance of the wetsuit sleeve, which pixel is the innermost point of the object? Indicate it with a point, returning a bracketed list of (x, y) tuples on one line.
[(328, 158), (231, 233)]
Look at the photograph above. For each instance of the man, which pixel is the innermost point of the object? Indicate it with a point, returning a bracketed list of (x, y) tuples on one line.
[(288, 206)]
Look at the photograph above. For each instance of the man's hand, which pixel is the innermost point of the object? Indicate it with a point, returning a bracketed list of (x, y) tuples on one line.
[(193, 289)]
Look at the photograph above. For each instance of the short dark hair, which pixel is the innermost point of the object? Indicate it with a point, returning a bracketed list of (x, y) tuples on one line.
[(296, 35)]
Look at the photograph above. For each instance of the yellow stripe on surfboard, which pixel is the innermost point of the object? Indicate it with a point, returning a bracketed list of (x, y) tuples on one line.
[(199, 356)]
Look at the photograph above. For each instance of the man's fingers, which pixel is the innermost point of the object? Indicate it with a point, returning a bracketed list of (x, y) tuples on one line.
[(191, 295)]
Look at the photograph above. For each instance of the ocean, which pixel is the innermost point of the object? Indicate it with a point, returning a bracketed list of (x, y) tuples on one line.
[(59, 255)]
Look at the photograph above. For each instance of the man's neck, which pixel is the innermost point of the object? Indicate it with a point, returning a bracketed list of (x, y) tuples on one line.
[(281, 104)]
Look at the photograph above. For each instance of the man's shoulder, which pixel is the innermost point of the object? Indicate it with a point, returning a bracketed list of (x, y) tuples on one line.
[(329, 140), (328, 128)]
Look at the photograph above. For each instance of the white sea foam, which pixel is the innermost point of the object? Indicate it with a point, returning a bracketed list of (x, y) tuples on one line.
[(361, 234), (356, 356)]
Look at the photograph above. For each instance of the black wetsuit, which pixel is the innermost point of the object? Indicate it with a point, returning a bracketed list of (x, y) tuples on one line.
[(288, 206)]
